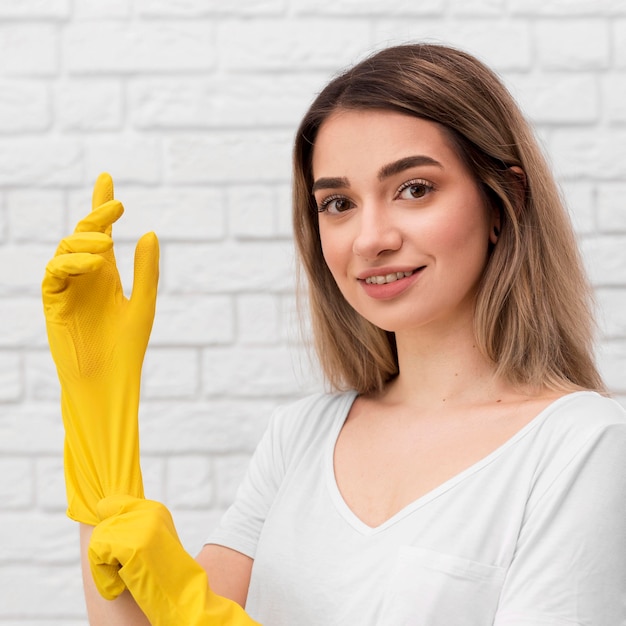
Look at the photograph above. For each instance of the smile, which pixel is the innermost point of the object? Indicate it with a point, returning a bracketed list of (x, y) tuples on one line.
[(387, 278)]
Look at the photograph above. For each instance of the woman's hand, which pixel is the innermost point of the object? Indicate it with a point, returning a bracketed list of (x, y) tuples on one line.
[(136, 547)]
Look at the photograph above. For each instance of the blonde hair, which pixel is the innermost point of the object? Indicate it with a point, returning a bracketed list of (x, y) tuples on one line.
[(533, 309)]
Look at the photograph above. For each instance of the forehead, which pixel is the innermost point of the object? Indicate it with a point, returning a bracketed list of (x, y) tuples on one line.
[(350, 140)]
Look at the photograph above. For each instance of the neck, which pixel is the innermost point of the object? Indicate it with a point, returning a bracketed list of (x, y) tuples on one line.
[(443, 367)]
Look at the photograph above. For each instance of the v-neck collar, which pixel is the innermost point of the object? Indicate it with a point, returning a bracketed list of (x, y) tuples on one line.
[(363, 528)]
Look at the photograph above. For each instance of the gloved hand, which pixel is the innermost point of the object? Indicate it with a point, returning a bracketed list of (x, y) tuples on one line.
[(136, 547), (98, 339)]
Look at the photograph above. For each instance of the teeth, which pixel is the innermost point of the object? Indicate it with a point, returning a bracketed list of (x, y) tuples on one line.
[(388, 278)]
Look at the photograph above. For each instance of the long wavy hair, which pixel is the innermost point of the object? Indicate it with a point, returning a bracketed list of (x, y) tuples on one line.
[(533, 311)]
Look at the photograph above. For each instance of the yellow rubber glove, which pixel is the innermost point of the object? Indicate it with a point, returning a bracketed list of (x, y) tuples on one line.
[(98, 339), (136, 547)]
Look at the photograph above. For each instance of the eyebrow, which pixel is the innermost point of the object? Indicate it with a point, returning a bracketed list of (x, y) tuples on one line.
[(404, 164), (391, 169)]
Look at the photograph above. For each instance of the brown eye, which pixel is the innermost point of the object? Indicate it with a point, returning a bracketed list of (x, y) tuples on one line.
[(417, 191), (335, 204), (340, 205), (414, 190)]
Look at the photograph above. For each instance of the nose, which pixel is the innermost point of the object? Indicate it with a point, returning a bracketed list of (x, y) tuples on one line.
[(377, 233)]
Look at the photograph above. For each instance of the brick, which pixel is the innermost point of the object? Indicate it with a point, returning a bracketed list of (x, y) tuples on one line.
[(128, 159), (367, 7), (22, 267), (580, 201), (192, 102), (47, 622), (218, 426), (87, 9), (252, 211), (139, 47), (605, 258), (24, 106), (59, 591), (31, 429), (89, 105), (558, 98), (227, 157), (50, 481), (227, 268), (612, 311), (193, 527), (180, 214), (611, 207), (36, 215), (565, 8), (40, 162), (193, 321), (619, 42), (35, 9), (258, 319), (28, 49), (153, 474), (291, 44), (170, 373), (474, 8), (229, 473), (255, 372), (188, 482), (614, 96), (22, 323), (203, 8), (559, 44), (504, 46), (612, 364), (55, 537), (17, 487), (284, 226), (11, 384), (3, 220), (589, 153)]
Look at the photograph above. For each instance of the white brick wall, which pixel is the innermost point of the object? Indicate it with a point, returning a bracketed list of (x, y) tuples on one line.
[(192, 105)]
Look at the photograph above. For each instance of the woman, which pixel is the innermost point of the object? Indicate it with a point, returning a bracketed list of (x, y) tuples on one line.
[(465, 470)]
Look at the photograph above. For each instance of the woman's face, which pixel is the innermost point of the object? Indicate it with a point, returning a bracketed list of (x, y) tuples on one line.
[(404, 227)]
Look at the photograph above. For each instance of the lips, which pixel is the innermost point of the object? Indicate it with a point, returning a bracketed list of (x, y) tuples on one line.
[(389, 284)]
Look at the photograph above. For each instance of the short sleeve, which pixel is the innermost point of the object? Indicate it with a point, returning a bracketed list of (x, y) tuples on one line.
[(569, 566), (241, 525)]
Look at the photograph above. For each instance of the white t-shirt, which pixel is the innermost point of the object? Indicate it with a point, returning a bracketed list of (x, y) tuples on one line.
[(534, 534)]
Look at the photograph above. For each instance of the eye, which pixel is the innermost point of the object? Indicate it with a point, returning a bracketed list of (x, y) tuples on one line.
[(414, 189), (334, 204)]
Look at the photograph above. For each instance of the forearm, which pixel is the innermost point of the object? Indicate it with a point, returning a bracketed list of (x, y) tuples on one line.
[(123, 611)]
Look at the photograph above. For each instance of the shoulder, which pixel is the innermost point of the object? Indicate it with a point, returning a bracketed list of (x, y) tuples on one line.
[(577, 432), (310, 420), (576, 420), (583, 414)]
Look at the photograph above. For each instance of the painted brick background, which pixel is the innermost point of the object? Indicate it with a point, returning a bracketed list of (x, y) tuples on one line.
[(192, 105)]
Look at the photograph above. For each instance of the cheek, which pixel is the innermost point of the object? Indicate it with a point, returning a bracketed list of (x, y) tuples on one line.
[(331, 250), (462, 231)]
